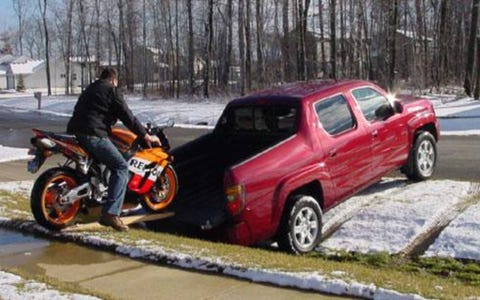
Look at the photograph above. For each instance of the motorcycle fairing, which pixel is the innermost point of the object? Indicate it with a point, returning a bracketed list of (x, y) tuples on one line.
[(145, 167)]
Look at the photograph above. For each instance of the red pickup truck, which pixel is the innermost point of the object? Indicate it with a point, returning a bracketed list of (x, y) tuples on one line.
[(279, 158)]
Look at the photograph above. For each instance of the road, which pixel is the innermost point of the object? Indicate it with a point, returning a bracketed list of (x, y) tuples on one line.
[(459, 156)]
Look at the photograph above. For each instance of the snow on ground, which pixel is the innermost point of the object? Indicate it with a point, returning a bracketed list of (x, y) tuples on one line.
[(193, 112), (396, 216), (9, 154), (13, 287), (457, 116), (461, 238)]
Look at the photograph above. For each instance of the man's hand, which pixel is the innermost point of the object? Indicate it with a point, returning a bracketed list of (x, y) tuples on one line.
[(152, 140)]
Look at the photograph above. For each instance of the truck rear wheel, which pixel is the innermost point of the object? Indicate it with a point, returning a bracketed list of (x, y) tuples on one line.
[(301, 227), (422, 158)]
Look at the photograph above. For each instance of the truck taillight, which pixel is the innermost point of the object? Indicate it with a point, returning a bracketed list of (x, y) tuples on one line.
[(235, 198)]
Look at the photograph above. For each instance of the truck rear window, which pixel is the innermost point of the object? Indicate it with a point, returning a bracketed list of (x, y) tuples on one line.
[(259, 119)]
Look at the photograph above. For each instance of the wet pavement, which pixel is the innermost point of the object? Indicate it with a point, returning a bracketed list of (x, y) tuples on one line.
[(124, 278)]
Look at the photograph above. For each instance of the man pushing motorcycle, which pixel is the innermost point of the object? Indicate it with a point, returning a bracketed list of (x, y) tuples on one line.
[(97, 110)]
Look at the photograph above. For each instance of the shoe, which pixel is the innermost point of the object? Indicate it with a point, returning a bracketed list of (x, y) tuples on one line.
[(113, 221)]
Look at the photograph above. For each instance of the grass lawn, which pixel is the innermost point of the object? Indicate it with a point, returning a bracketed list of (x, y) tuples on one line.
[(430, 277)]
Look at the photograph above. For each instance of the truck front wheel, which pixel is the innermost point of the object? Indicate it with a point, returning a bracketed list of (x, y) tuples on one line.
[(301, 227), (422, 158)]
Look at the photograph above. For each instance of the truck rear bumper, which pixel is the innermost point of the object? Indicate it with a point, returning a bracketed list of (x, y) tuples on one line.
[(238, 233)]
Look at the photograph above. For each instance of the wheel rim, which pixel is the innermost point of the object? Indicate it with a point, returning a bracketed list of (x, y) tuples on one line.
[(163, 192), (425, 158), (305, 227), (54, 211)]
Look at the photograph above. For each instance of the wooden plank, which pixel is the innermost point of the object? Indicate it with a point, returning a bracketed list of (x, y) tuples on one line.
[(126, 220)]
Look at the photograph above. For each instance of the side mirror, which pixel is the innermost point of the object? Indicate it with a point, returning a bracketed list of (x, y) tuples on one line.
[(384, 112), (397, 107)]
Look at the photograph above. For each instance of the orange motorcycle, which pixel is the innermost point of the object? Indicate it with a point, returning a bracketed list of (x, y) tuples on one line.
[(60, 193)]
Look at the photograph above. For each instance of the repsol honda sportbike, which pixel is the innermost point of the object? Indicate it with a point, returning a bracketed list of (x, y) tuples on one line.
[(60, 193)]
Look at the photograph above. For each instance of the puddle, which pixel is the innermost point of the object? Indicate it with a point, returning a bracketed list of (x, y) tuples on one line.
[(39, 256)]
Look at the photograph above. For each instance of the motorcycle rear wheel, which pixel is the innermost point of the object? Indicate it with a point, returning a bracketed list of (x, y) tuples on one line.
[(163, 193), (44, 199)]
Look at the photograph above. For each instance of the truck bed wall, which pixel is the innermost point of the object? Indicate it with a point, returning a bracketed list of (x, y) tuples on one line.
[(201, 166)]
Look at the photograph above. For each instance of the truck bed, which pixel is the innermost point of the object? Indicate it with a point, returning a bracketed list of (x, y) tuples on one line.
[(201, 166)]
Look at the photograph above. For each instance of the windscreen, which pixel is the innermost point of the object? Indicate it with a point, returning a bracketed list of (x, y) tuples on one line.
[(261, 119)]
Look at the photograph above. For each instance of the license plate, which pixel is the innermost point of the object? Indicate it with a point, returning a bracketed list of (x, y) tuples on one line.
[(34, 165)]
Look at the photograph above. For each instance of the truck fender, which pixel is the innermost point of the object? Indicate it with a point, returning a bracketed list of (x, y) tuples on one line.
[(422, 120), (316, 172)]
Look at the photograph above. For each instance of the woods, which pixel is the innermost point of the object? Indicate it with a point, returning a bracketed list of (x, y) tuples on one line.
[(208, 47)]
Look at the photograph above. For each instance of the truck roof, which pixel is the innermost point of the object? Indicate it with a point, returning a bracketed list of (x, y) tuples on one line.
[(296, 91)]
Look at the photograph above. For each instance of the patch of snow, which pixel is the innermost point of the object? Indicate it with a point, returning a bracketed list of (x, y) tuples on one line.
[(9, 154), (461, 239), (393, 219), (14, 287)]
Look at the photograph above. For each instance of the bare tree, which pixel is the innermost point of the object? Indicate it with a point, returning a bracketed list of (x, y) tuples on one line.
[(259, 26), (208, 50), (248, 46), (20, 8), (476, 92), (191, 51), (302, 10), (471, 48), (392, 45), (286, 43), (43, 11), (333, 39), (241, 45)]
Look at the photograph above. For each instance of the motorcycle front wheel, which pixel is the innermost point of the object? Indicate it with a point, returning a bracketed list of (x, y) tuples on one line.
[(45, 198), (163, 192)]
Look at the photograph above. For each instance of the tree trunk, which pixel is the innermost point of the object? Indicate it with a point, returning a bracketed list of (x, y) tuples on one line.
[(259, 23), (68, 53), (43, 10), (343, 51), (471, 49), (476, 93), (392, 33), (241, 45), (333, 39), (19, 7), (248, 47), (228, 54), (123, 42), (322, 37), (208, 52), (176, 76), (144, 31), (191, 53), (287, 68)]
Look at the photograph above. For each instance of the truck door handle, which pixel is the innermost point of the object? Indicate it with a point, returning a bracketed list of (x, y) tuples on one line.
[(332, 152)]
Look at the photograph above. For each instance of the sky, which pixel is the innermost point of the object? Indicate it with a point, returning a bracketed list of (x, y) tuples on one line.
[(7, 15)]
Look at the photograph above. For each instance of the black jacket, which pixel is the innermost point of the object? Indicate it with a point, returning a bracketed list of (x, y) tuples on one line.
[(98, 108)]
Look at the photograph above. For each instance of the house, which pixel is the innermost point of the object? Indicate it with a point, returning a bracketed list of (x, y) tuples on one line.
[(14, 70)]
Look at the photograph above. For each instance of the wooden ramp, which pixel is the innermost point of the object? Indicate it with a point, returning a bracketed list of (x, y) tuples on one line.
[(126, 220)]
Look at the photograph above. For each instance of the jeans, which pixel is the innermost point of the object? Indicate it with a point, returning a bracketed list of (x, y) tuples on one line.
[(103, 151)]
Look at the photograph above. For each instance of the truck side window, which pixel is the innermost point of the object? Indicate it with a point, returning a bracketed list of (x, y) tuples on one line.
[(335, 115), (369, 100)]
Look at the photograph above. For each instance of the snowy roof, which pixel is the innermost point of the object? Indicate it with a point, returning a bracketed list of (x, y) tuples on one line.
[(5, 59), (27, 67)]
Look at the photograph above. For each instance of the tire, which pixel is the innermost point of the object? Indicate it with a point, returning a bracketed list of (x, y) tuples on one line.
[(46, 209), (422, 159), (163, 193), (301, 227)]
